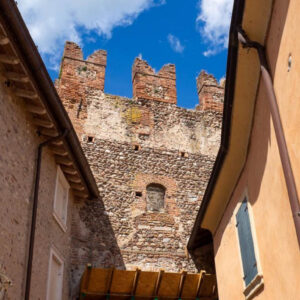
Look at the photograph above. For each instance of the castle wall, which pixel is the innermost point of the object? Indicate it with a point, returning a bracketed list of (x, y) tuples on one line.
[(131, 143), (147, 84), (150, 240)]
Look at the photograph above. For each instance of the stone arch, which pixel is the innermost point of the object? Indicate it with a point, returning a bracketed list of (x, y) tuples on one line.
[(155, 197)]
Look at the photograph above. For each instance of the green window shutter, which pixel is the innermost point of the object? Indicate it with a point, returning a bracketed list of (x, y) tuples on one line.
[(246, 243)]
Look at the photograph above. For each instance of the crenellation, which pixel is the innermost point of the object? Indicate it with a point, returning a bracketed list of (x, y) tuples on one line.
[(98, 57), (210, 92), (132, 144), (72, 50), (151, 85)]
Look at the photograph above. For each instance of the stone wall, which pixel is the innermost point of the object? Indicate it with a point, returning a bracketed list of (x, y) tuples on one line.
[(150, 240), (131, 143)]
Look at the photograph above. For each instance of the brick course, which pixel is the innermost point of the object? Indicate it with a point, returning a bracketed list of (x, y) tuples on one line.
[(147, 84), (210, 92)]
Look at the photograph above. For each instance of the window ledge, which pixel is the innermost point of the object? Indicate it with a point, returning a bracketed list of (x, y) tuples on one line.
[(59, 221), (254, 286)]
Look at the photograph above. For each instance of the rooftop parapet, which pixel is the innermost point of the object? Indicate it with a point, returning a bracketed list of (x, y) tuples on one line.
[(151, 85), (210, 92)]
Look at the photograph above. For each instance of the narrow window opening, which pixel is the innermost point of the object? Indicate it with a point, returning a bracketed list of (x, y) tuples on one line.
[(182, 154), (90, 139), (138, 194), (156, 197), (136, 147), (79, 109)]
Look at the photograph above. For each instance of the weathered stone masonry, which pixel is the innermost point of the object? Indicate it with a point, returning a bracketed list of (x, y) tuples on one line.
[(131, 144)]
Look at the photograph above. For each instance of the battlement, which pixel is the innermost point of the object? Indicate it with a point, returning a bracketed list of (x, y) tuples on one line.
[(87, 73), (150, 158), (77, 75), (210, 92), (147, 84)]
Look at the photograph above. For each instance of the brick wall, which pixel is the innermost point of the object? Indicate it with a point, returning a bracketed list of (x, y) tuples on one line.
[(147, 84), (210, 92), (131, 143), (76, 75)]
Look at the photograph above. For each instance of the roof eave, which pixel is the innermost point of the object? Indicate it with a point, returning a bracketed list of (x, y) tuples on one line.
[(19, 36)]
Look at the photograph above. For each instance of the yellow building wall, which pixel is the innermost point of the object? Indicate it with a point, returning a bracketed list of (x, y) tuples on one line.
[(262, 178)]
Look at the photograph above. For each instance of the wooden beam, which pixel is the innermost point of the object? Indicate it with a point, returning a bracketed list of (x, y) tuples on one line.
[(208, 286), (16, 77), (59, 150), (181, 284), (109, 280), (67, 170), (4, 40), (135, 281), (201, 274), (77, 187), (78, 194), (48, 132), (158, 282), (42, 122), (36, 109), (74, 179), (8, 59), (57, 143), (25, 93), (63, 160)]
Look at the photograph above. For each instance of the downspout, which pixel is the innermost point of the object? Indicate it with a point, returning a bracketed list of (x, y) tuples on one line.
[(34, 211), (281, 141)]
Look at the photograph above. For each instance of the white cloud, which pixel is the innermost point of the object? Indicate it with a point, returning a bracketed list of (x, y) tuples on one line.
[(175, 43), (213, 22), (52, 22)]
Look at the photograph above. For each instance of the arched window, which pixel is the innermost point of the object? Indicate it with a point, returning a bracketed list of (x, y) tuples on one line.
[(155, 197)]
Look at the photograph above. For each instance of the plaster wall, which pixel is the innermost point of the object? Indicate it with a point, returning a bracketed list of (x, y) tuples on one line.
[(18, 153), (263, 179)]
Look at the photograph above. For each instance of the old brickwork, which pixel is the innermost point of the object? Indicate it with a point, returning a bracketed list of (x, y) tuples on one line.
[(210, 92), (147, 84), (131, 144), (78, 75)]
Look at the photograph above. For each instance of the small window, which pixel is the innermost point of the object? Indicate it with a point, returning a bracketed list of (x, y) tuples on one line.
[(55, 276), (138, 194), (136, 147), (61, 199), (245, 237), (155, 197), (90, 139)]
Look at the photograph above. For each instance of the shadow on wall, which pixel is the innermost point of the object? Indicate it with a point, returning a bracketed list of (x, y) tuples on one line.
[(93, 241), (203, 257), (260, 138), (252, 174)]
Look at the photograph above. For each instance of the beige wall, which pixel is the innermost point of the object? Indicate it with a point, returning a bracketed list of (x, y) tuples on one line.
[(18, 151), (274, 230)]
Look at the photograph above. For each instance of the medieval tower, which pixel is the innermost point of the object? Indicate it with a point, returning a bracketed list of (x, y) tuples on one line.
[(151, 160)]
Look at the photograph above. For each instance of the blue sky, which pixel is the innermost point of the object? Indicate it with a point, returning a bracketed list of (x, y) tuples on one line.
[(192, 34)]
